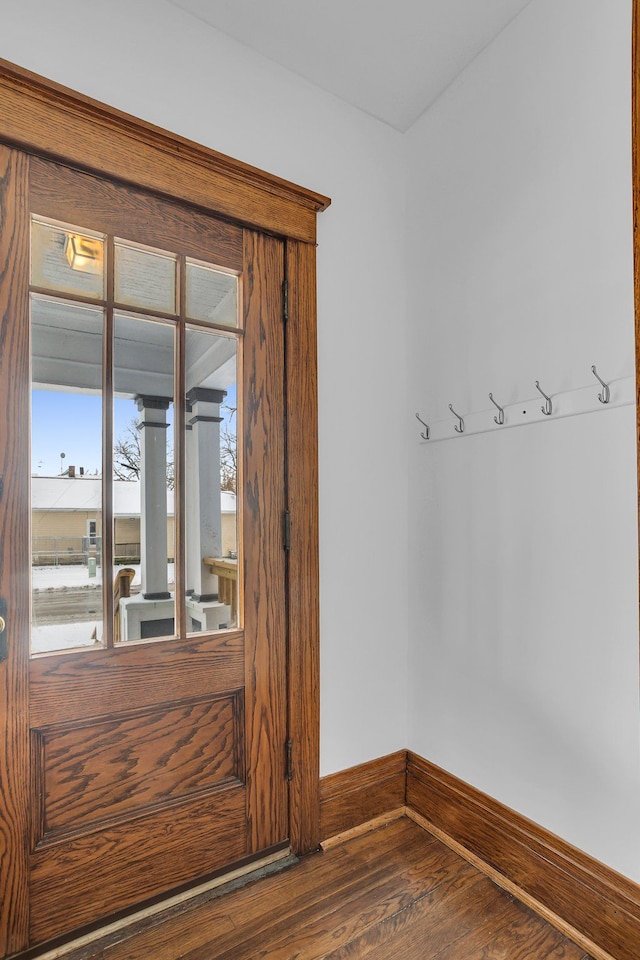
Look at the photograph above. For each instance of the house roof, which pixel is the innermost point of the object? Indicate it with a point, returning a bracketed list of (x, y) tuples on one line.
[(85, 493)]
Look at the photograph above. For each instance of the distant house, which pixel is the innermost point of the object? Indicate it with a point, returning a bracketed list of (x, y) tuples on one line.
[(66, 524)]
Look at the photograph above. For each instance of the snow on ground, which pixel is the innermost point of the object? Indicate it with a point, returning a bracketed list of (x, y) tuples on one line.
[(56, 578), (67, 636), (64, 636), (77, 575)]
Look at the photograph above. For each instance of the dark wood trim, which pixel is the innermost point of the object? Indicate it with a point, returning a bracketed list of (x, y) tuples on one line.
[(14, 522), (303, 575), (50, 120), (263, 505), (369, 790), (586, 895)]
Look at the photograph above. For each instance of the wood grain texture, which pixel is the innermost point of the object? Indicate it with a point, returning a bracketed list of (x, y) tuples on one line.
[(297, 897), (48, 119), (104, 770), (14, 526), (303, 562), (513, 889), (263, 505), (58, 192), (134, 861), (395, 892), (385, 890), (133, 677), (383, 820), (590, 897), (189, 930), (458, 922), (353, 796)]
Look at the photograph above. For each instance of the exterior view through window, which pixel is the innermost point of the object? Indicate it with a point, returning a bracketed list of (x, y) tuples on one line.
[(117, 329)]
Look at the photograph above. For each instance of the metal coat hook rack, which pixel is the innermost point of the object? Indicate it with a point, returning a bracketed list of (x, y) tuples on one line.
[(458, 429), (564, 403)]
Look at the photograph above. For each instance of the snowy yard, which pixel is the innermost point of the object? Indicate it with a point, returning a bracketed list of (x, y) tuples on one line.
[(77, 575), (64, 636), (71, 588)]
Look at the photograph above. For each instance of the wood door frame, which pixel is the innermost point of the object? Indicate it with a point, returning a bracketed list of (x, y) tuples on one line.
[(43, 118)]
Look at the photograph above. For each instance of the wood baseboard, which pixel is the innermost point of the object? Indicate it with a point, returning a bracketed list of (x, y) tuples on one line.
[(362, 793), (561, 882), (591, 903)]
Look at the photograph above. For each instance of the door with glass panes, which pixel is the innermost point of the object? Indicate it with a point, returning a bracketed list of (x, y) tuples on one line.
[(148, 337)]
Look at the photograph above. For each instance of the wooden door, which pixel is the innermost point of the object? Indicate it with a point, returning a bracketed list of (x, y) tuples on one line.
[(148, 752)]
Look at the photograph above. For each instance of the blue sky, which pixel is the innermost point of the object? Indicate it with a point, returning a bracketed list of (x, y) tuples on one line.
[(71, 423)]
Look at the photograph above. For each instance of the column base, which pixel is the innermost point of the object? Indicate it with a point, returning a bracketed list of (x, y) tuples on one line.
[(203, 616), (143, 618)]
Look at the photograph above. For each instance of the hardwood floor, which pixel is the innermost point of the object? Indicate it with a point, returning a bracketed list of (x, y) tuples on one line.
[(395, 892)]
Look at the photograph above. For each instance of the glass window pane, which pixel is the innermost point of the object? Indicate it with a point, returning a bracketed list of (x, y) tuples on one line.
[(211, 482), (68, 259), (212, 296), (143, 510), (145, 278), (66, 466)]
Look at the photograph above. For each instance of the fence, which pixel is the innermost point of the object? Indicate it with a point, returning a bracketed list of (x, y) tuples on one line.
[(126, 553), (58, 551)]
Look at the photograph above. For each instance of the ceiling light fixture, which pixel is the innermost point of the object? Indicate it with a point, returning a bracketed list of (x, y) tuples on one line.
[(84, 253)]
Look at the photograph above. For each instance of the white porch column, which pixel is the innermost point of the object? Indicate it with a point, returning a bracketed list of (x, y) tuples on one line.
[(203, 490), (153, 487)]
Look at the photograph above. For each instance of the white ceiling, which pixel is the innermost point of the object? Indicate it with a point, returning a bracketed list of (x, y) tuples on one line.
[(391, 58)]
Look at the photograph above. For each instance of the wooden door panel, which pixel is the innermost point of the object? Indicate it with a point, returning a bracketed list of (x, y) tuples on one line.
[(155, 764), (133, 677), (110, 769), (75, 882)]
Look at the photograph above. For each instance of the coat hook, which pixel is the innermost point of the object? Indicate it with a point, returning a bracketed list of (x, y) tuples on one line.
[(500, 418), (548, 406), (458, 429), (423, 433), (605, 396)]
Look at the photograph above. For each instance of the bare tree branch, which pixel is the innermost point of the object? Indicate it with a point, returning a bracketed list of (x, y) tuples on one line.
[(228, 450), (127, 456)]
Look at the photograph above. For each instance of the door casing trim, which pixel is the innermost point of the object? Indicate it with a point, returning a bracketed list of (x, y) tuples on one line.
[(46, 118)]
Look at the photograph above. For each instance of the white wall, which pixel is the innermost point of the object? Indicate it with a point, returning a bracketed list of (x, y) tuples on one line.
[(152, 60), (523, 545)]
